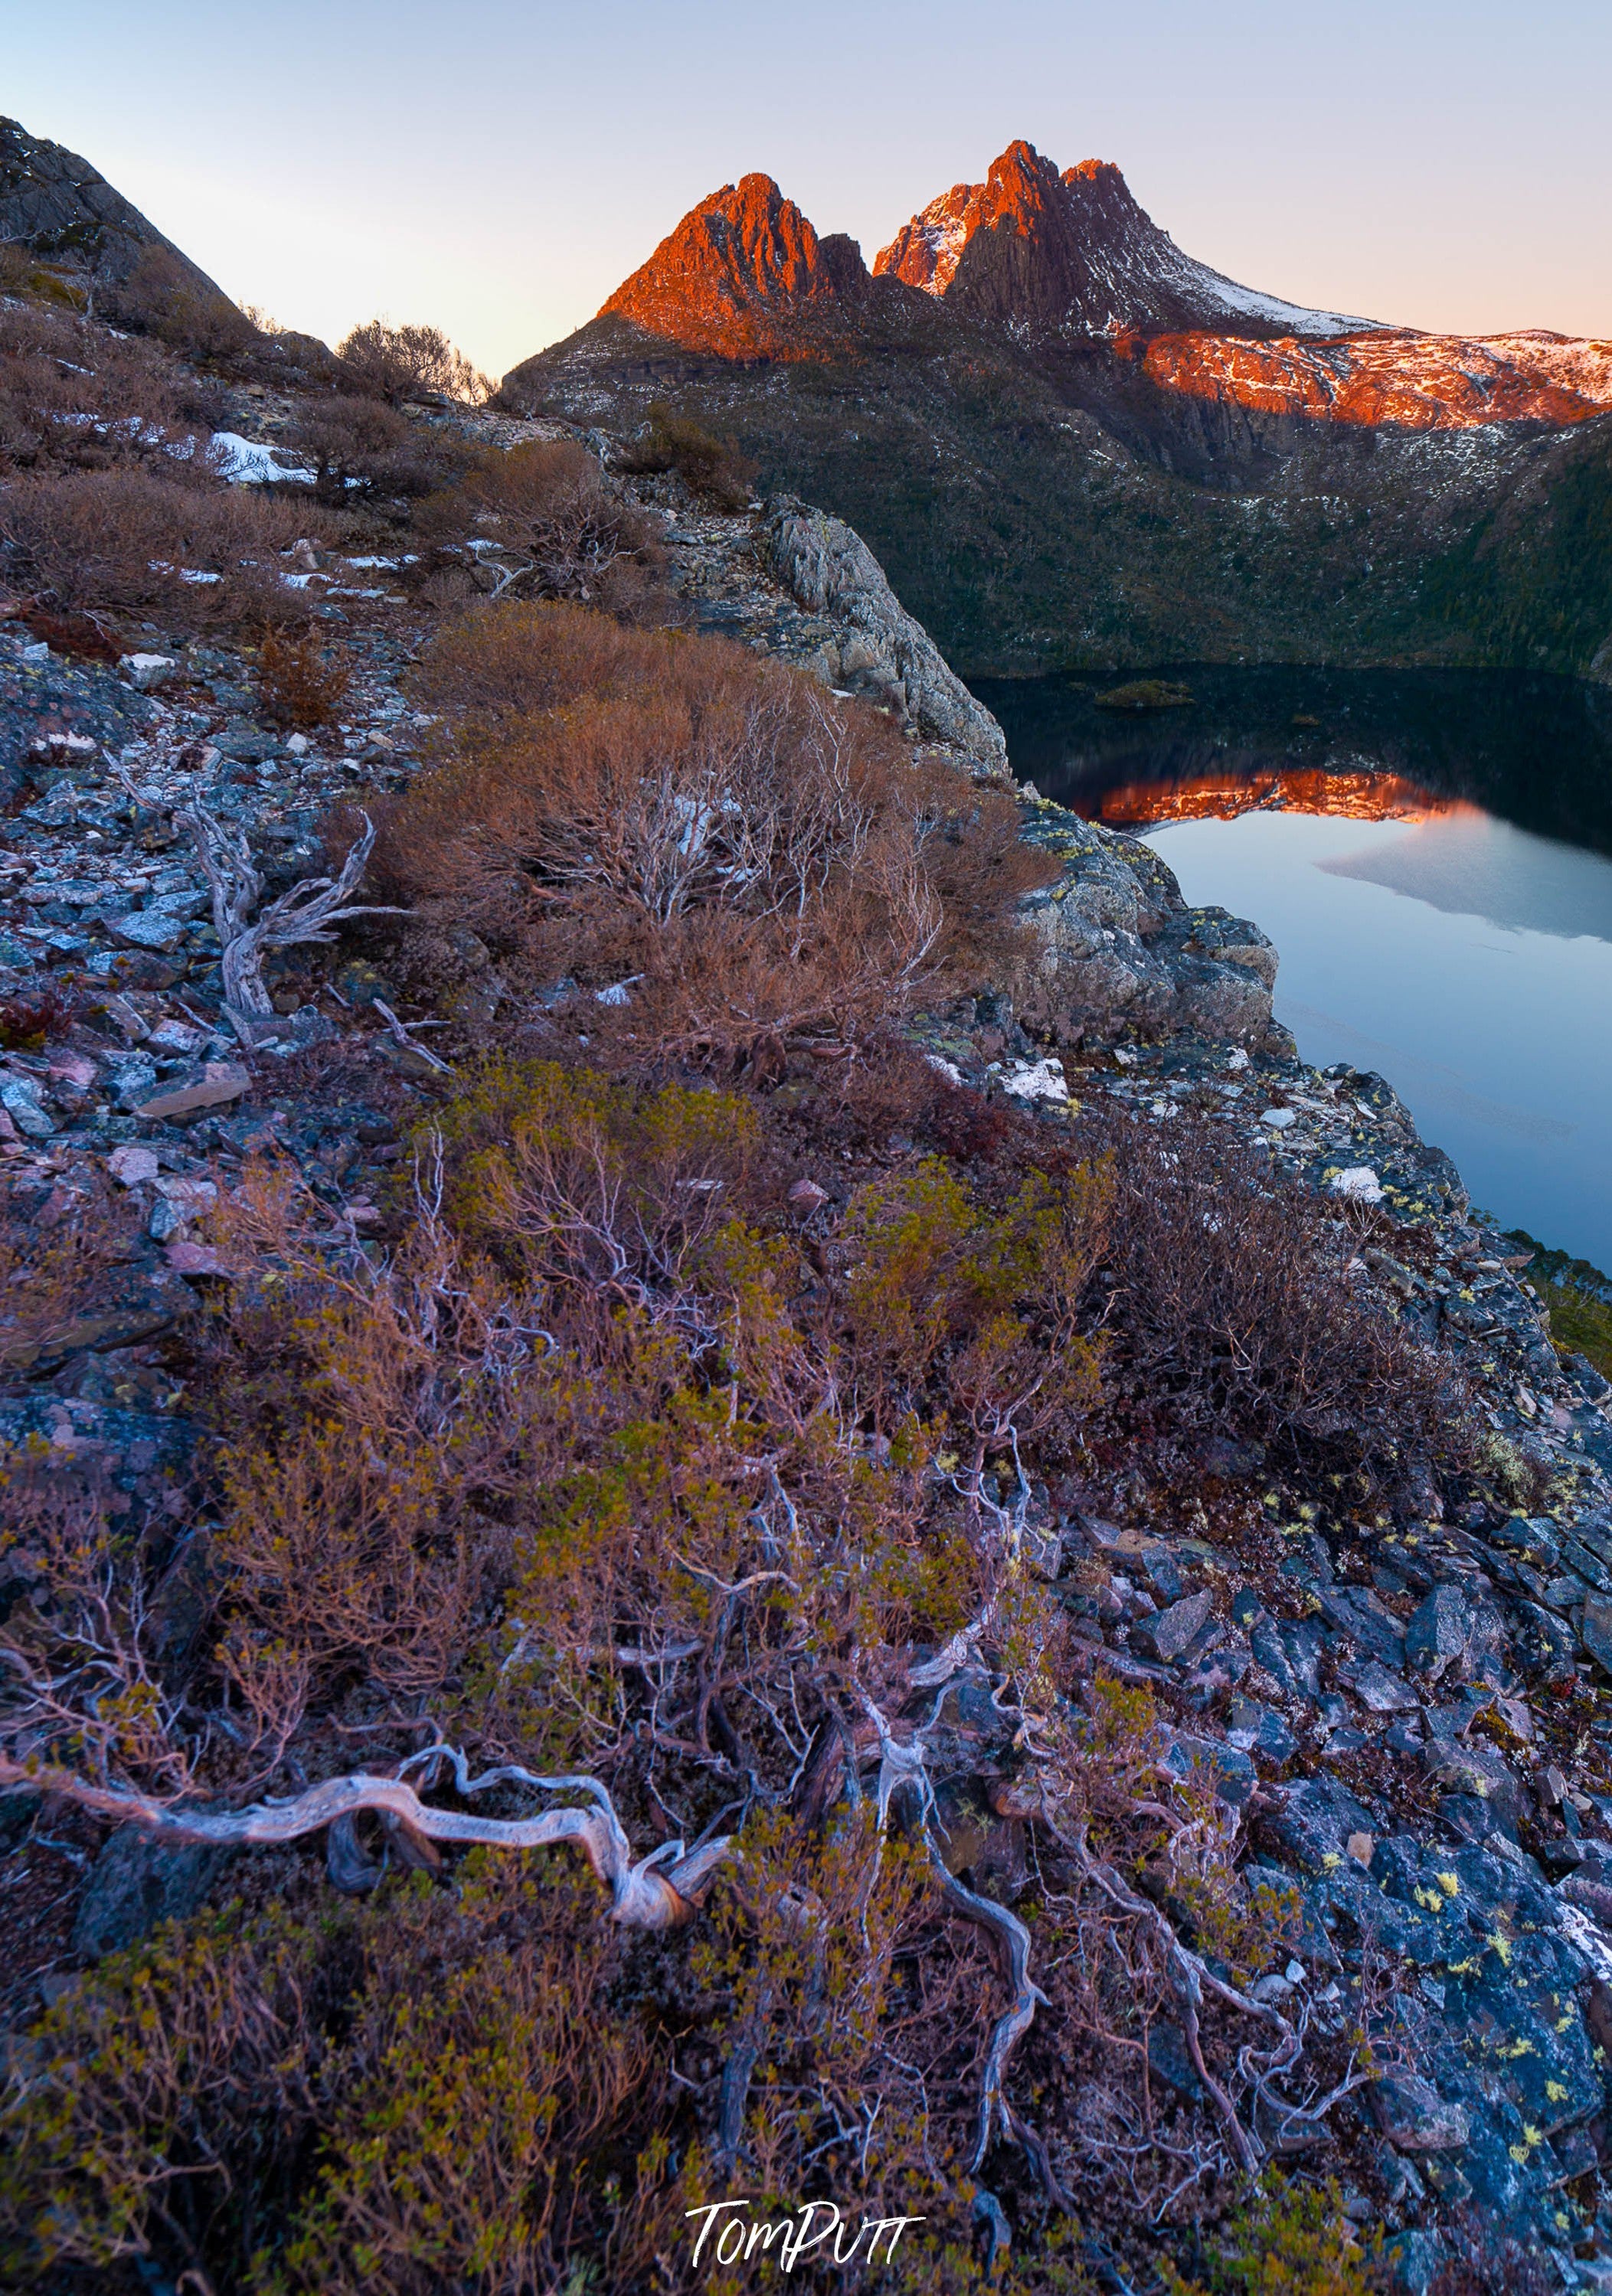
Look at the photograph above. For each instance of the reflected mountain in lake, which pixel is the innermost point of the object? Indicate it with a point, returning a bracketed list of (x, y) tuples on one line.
[(1428, 851), (1533, 750)]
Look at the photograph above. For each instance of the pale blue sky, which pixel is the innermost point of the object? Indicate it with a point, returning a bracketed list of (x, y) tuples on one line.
[(498, 166)]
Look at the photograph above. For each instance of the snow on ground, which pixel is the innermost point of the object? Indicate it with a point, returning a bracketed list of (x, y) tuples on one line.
[(249, 463)]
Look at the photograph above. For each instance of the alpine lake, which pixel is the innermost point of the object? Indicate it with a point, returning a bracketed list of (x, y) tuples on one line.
[(1431, 852)]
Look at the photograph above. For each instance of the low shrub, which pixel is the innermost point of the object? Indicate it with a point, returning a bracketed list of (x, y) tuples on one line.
[(449, 2088), (301, 684), (31, 1016), (561, 530), (190, 2140), (127, 542), (518, 659), (74, 397), (162, 296), (1289, 2240), (1233, 1309), (362, 450), (759, 859)]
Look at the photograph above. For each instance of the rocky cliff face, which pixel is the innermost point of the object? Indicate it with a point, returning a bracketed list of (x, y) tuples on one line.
[(1392, 378), (746, 276), (67, 214)]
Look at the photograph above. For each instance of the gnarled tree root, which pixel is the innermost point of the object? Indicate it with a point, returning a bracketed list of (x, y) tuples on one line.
[(661, 1891)]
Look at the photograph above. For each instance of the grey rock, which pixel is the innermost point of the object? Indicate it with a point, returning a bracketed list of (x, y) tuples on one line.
[(1316, 1819), (1257, 1729), (1289, 1651), (187, 902), (1167, 1634), (1376, 1687), (130, 1077), (1223, 1001), (60, 207), (1415, 2259), (213, 1084), (20, 1098), (1215, 932), (1163, 1568), (831, 570), (1234, 1775), (1597, 1629), (1448, 1631), (1457, 1767), (148, 929), (1544, 1644), (1171, 2061), (1366, 1621), (147, 671), (138, 1882), (1413, 2116), (1586, 1567)]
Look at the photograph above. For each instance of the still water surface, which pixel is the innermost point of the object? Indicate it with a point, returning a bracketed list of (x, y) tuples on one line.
[(1431, 852)]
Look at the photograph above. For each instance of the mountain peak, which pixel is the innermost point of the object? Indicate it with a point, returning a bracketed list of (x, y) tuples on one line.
[(743, 274), (1075, 254)]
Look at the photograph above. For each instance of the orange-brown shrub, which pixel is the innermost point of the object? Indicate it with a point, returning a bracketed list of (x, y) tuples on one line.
[(123, 541), (75, 397), (362, 449), (517, 659), (712, 467), (1232, 1305), (760, 857), (161, 297), (302, 684)]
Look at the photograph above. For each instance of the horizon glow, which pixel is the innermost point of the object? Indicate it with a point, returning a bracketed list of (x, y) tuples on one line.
[(500, 172)]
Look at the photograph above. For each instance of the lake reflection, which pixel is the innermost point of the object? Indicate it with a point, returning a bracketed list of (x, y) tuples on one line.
[(1393, 852)]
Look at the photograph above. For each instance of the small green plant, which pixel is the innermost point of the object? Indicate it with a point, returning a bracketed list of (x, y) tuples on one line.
[(1288, 2240)]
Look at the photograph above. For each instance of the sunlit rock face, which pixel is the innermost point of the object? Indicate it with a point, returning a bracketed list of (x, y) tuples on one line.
[(1411, 381), (744, 275), (1065, 259)]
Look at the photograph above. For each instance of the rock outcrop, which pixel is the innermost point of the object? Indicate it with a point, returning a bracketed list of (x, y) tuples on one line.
[(1121, 950), (881, 651)]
